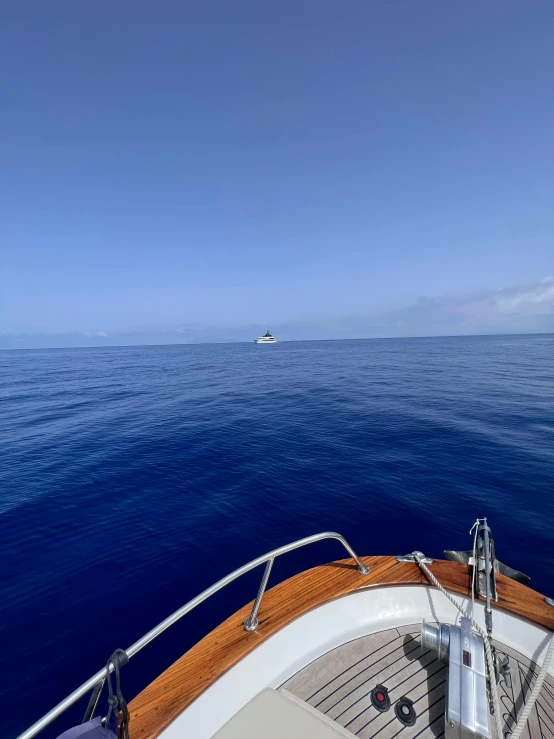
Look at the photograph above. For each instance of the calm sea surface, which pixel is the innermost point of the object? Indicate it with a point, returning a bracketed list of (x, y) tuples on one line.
[(132, 478)]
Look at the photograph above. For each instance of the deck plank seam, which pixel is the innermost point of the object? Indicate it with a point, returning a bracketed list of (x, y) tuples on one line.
[(538, 704), (511, 716), (417, 685), (434, 721), (406, 664), (353, 665), (548, 690), (545, 693), (364, 670), (543, 721), (371, 677), (416, 701), (395, 719), (524, 682), (423, 667), (440, 717)]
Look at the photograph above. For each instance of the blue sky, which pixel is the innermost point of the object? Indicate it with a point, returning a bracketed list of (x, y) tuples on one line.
[(192, 171)]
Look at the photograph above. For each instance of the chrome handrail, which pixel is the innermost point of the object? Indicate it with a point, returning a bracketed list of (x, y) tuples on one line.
[(250, 624)]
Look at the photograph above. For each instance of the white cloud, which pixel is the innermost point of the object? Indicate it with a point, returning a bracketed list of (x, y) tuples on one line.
[(100, 333), (529, 300), (519, 309)]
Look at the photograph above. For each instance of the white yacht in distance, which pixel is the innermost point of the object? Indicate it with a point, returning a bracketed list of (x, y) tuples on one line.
[(267, 338)]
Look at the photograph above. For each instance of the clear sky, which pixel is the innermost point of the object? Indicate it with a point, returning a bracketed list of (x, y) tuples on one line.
[(315, 166)]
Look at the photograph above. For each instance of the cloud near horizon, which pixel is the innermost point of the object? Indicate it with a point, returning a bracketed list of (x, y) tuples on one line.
[(523, 307), (517, 309)]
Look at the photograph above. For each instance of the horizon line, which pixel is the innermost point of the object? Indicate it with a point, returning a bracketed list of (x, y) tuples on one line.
[(279, 341)]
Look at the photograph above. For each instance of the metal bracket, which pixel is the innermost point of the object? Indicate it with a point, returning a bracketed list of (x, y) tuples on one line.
[(411, 558), (549, 601), (251, 624)]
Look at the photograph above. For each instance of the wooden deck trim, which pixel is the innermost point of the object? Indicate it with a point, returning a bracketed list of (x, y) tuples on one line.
[(165, 698)]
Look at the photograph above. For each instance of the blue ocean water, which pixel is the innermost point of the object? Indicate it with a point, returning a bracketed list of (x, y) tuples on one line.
[(133, 478)]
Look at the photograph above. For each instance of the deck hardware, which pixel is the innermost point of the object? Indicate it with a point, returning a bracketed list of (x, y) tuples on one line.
[(549, 601), (484, 566), (251, 623), (93, 701), (380, 698), (467, 705), (437, 639), (485, 560), (411, 558), (506, 671), (405, 712)]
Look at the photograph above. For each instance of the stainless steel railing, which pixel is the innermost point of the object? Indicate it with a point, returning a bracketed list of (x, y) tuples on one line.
[(250, 624)]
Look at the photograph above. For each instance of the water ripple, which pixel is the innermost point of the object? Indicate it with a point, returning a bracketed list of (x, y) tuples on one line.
[(134, 477)]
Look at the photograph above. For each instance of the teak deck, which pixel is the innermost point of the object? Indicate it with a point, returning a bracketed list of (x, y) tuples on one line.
[(339, 685), (165, 698)]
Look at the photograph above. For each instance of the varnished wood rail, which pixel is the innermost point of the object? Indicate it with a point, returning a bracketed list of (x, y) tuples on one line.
[(166, 697)]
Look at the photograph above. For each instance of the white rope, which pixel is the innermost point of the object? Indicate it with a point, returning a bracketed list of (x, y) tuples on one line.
[(524, 715), (526, 712), (474, 568)]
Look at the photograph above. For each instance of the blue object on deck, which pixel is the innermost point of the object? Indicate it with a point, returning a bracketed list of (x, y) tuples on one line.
[(92, 729)]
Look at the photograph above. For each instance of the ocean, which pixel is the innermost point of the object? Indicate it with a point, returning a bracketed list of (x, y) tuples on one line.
[(134, 477)]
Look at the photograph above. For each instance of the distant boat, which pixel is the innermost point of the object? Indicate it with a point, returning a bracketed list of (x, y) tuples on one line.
[(267, 338)]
